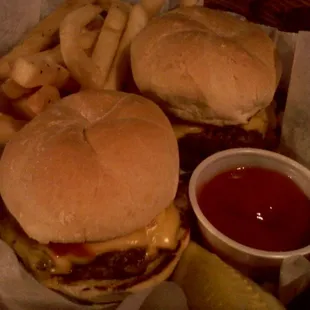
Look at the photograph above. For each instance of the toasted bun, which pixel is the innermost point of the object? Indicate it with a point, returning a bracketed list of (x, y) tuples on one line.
[(111, 291), (95, 166), (205, 65)]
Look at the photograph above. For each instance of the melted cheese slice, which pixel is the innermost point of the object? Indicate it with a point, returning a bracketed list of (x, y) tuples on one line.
[(161, 233), (259, 122), (182, 130)]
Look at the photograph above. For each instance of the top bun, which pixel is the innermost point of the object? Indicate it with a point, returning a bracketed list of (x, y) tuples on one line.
[(205, 65), (95, 166)]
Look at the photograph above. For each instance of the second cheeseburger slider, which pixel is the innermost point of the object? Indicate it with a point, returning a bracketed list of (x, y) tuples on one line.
[(214, 74), (88, 187)]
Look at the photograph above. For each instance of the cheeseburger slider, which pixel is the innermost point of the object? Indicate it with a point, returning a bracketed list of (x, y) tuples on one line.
[(88, 187), (214, 75)]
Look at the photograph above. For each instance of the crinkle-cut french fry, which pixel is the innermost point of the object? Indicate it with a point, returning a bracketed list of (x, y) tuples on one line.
[(41, 36), (138, 19), (8, 127), (153, 7), (13, 90), (109, 39), (31, 73), (31, 106)]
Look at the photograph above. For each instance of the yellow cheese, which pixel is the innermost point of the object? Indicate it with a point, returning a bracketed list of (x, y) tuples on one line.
[(183, 130), (263, 120), (162, 233), (259, 122)]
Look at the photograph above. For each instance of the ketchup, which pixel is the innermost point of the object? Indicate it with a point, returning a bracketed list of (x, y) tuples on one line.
[(257, 207)]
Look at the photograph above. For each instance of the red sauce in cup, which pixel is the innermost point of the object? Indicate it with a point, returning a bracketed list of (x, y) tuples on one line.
[(257, 207)]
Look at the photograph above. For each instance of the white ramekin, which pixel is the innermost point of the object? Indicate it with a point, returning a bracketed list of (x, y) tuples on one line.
[(235, 252)]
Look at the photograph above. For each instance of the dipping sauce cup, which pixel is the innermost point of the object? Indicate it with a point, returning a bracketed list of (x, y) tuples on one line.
[(247, 259)]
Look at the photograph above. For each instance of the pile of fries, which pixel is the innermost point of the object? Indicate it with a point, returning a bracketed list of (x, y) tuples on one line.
[(84, 44)]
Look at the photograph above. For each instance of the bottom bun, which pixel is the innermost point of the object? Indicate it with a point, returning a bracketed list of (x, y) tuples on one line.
[(114, 291)]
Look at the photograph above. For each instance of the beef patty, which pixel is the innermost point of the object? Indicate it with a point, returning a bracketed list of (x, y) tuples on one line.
[(195, 147)]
